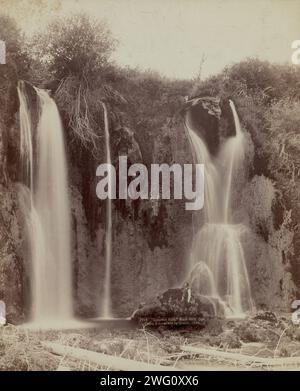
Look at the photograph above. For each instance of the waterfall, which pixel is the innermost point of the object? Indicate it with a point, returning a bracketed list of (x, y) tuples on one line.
[(232, 156), (217, 245), (106, 304), (47, 212)]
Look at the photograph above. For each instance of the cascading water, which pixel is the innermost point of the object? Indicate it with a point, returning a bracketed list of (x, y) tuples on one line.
[(218, 245), (106, 303), (48, 211)]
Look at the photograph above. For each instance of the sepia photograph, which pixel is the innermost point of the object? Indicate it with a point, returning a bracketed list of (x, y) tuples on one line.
[(149, 188)]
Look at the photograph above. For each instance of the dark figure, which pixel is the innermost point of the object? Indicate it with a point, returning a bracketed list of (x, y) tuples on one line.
[(186, 293)]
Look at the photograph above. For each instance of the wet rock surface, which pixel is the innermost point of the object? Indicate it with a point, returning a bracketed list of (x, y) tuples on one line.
[(203, 115)]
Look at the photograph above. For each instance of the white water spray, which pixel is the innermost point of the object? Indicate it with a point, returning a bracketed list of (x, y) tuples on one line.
[(218, 242), (48, 217), (106, 303), (26, 150)]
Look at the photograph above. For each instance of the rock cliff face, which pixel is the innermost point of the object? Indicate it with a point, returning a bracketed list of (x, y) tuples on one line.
[(151, 238), (12, 274)]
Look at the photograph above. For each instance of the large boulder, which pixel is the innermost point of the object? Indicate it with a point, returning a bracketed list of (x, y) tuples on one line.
[(175, 307)]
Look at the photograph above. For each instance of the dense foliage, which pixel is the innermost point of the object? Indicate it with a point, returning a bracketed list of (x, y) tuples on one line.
[(73, 60), (267, 97)]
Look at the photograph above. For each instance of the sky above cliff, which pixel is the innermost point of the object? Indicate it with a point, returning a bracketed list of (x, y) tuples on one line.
[(173, 36)]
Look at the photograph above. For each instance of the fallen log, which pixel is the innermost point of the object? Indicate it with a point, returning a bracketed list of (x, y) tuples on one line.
[(242, 358), (113, 362), (62, 368)]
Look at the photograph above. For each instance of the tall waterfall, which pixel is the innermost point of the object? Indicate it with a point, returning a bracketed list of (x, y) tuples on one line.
[(218, 260), (48, 211), (106, 303)]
